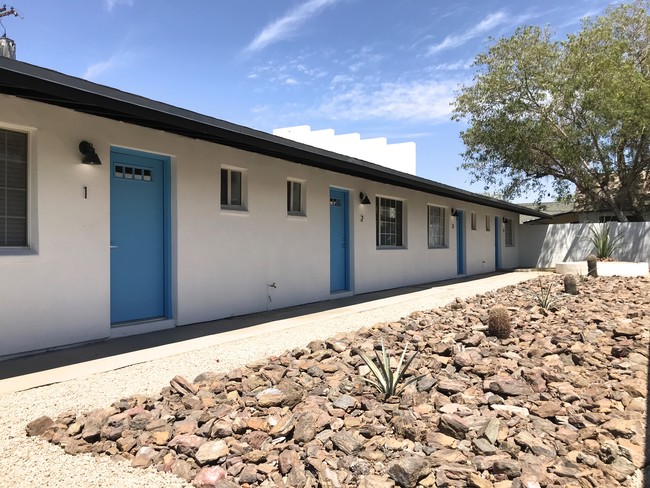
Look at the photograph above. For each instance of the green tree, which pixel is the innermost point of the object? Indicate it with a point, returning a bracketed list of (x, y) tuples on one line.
[(575, 111)]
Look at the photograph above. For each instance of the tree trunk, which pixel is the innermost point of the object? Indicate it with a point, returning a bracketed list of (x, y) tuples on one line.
[(613, 205)]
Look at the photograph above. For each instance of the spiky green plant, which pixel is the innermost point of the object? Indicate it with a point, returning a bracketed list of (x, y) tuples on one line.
[(545, 297), (386, 380), (604, 245)]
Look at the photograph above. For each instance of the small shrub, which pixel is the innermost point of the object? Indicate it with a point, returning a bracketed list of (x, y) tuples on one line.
[(386, 380), (604, 245), (570, 284), (499, 324)]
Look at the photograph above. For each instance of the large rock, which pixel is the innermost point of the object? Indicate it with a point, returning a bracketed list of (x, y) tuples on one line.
[(208, 477), (535, 445), (408, 471), (40, 426), (347, 442), (94, 423), (306, 427), (183, 386), (187, 444), (210, 452), (454, 426), (509, 387), (287, 393)]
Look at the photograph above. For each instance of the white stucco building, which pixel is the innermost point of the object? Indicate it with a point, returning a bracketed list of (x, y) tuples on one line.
[(191, 218)]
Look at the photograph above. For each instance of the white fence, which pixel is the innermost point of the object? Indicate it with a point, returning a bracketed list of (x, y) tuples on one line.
[(544, 245)]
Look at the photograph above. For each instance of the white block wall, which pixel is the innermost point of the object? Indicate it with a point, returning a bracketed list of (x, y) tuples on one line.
[(550, 244), (399, 156)]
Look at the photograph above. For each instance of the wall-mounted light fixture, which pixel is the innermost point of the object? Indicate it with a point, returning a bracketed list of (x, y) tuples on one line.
[(505, 220), (454, 212), (364, 198), (90, 156)]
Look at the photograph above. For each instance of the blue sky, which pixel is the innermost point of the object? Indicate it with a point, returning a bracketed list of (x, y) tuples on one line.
[(378, 67)]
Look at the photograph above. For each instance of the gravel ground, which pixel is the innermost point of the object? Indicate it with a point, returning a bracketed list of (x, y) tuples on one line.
[(27, 462)]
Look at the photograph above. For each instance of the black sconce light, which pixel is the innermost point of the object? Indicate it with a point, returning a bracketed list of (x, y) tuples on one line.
[(454, 212), (505, 220), (364, 198), (90, 156)]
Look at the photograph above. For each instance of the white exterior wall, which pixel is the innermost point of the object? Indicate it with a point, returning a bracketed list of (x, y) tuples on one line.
[(58, 292)]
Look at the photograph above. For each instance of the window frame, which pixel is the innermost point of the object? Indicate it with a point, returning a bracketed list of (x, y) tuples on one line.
[(25, 200), (229, 171), (399, 223), (509, 237), (444, 226), (291, 198)]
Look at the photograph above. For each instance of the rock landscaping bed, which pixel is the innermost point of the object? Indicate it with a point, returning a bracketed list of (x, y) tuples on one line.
[(561, 402)]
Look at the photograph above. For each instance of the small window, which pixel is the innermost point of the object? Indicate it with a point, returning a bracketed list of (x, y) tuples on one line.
[(232, 189), (473, 219), (510, 233), (295, 197), (437, 226), (132, 173), (487, 223), (13, 189), (390, 222)]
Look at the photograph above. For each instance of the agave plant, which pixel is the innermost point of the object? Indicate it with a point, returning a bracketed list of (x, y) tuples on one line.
[(604, 245), (545, 297), (386, 380)]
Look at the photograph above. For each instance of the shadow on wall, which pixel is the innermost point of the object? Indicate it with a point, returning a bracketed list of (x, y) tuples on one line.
[(550, 244)]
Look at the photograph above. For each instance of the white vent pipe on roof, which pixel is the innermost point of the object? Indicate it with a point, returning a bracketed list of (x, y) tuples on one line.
[(7, 48)]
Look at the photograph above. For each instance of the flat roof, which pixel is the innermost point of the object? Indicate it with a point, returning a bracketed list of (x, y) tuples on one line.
[(47, 86)]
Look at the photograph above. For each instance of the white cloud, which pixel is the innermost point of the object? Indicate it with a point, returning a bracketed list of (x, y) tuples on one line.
[(120, 59), (487, 24), (340, 79), (362, 58), (110, 4), (285, 26), (423, 100), (454, 66), (579, 18), (290, 71)]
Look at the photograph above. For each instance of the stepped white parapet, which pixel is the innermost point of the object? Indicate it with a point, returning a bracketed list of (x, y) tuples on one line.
[(400, 156)]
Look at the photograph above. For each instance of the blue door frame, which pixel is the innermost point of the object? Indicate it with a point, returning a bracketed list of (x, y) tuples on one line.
[(339, 240), (460, 242), (497, 243), (140, 236)]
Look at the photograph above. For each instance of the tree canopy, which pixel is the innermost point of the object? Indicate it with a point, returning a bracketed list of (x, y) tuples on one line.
[(575, 111)]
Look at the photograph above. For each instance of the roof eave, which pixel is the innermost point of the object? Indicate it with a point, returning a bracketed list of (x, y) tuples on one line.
[(48, 86)]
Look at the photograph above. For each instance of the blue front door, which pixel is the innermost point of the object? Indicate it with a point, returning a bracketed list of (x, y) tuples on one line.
[(138, 250), (339, 250), (460, 242), (497, 243)]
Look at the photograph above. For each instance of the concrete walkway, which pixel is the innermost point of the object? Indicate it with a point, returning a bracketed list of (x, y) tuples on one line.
[(362, 310)]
